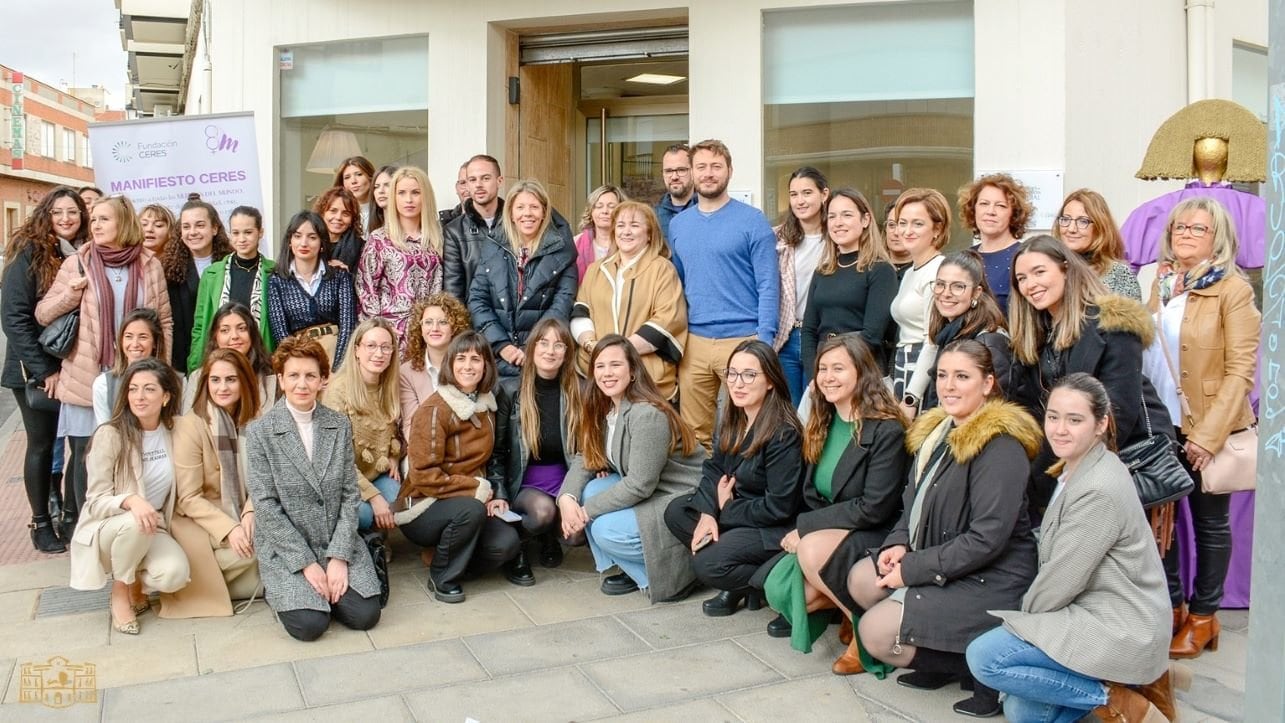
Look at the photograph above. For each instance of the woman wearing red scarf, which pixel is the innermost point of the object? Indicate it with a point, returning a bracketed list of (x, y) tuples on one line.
[(104, 280)]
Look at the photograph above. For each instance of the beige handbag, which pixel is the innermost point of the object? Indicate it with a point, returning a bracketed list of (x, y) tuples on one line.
[(1234, 468)]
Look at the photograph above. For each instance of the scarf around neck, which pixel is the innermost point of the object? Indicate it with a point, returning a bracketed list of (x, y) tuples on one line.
[(99, 259), (223, 431), (1201, 277)]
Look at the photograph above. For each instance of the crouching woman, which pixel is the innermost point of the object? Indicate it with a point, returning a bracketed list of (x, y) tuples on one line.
[(303, 482), (123, 529)]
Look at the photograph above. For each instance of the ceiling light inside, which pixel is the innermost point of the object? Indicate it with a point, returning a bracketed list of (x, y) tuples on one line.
[(656, 79)]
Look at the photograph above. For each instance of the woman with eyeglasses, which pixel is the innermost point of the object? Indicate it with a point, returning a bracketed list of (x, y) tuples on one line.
[(525, 274), (104, 280), (996, 208), (439, 318), (1086, 226), (634, 292), (750, 488), (538, 429), (366, 390), (854, 284), (1206, 312), (306, 295), (923, 223), (1063, 320), (963, 308), (57, 227)]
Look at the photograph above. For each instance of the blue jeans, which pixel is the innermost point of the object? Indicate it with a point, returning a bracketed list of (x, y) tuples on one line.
[(792, 364), (1039, 688), (388, 488), (614, 538)]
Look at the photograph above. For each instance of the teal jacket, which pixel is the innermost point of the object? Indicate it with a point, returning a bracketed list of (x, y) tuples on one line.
[(207, 305)]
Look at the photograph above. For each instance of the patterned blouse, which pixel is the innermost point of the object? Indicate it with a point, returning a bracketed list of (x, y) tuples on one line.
[(291, 308), (1121, 280), (389, 280)]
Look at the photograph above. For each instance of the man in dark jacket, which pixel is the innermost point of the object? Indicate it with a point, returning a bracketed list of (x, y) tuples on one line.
[(447, 215), (479, 219), (676, 174)]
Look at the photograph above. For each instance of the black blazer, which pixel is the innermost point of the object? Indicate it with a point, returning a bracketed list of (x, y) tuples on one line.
[(867, 483), (183, 309), (767, 484)]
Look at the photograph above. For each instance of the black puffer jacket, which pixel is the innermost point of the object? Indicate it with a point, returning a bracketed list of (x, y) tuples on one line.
[(21, 330), (462, 239), (550, 288)]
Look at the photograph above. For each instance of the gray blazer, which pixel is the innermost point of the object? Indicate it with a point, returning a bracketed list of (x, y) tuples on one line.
[(650, 477), (1099, 605), (305, 511)]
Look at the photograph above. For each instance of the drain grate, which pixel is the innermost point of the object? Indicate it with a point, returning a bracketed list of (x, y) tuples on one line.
[(66, 601)]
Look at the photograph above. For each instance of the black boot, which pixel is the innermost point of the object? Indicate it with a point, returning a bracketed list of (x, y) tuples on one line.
[(518, 571), (550, 550), (779, 627), (55, 495), (66, 526), (43, 536), (933, 669), (984, 703), (727, 602)]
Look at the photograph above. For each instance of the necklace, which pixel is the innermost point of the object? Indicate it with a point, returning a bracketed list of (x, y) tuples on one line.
[(848, 265), (236, 261), (117, 273)]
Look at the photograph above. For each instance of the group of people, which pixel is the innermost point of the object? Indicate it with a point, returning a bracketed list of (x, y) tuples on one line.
[(831, 416)]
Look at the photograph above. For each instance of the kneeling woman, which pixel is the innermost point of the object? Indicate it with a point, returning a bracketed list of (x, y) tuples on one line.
[(303, 481), (123, 528), (963, 545), (1097, 616), (749, 490), (446, 502), (855, 447), (638, 456), (215, 520)]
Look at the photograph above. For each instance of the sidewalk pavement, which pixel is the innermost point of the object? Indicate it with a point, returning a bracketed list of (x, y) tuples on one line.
[(558, 651)]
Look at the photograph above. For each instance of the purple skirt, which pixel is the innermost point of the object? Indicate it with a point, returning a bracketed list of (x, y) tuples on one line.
[(545, 477)]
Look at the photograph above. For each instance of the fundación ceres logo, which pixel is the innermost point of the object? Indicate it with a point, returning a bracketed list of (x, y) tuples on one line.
[(217, 141)]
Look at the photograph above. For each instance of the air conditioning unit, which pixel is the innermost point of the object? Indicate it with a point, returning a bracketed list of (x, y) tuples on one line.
[(162, 109)]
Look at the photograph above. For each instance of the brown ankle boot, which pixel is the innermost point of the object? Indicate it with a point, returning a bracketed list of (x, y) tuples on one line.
[(1125, 705), (1179, 617), (850, 662), (845, 630), (1199, 632), (1160, 693)]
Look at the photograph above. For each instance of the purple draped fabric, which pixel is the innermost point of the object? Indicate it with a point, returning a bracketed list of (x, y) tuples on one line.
[(1236, 592), (1144, 227)]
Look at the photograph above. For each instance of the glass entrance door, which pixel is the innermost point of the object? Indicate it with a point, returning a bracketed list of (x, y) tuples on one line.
[(631, 155)]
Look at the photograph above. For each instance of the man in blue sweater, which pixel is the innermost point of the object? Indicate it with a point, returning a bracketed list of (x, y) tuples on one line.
[(725, 253)]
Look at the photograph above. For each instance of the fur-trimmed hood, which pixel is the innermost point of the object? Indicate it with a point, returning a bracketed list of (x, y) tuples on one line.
[(1121, 313), (995, 418), (462, 406)]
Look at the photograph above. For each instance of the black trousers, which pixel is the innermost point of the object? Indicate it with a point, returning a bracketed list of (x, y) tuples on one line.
[(75, 477), (731, 562), (352, 611), (1211, 522), (42, 429), (465, 538)]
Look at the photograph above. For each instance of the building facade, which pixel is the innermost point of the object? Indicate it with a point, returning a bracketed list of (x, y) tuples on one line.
[(44, 135), (878, 95)]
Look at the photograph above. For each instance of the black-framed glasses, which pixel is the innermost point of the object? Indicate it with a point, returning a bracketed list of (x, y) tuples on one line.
[(1081, 222), (747, 376)]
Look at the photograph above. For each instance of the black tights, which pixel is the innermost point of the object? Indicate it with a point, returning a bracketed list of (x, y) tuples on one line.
[(42, 429), (539, 512), (75, 477)]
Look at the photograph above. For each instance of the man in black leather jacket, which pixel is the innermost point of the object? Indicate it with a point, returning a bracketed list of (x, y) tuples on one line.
[(480, 218)]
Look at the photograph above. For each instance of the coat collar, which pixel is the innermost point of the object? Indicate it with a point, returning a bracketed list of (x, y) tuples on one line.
[(852, 456), (462, 406), (967, 440), (1084, 472)]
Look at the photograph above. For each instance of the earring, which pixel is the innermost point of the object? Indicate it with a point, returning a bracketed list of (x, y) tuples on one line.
[(973, 305)]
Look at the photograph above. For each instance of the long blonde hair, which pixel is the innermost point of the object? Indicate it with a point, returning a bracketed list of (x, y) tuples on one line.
[(871, 248), (535, 188), (428, 223), (386, 399), (568, 380)]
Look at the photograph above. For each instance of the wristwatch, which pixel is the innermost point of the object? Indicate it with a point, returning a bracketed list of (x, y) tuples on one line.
[(910, 400)]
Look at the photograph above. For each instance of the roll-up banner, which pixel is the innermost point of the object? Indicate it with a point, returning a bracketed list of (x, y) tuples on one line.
[(162, 160)]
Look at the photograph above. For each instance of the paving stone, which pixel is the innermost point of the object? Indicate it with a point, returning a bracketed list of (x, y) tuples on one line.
[(550, 646), (789, 662), (129, 661), (674, 625), (1210, 697), (560, 600), (222, 696), (1237, 620), (434, 620), (407, 588), (36, 713), (35, 575), (342, 678), (18, 606), (1233, 648), (153, 626), (47, 637), (385, 710), (670, 676), (824, 698), (706, 710), (919, 705), (248, 647), (557, 695)]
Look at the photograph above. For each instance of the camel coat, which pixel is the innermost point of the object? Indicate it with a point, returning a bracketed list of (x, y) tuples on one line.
[(112, 478), (200, 525), (80, 368), (651, 476)]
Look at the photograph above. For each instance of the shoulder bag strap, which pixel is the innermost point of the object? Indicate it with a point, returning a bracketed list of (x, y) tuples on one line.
[(1183, 403)]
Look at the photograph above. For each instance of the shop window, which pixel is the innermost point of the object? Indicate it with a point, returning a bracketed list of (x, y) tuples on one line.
[(1249, 78), (877, 97), (373, 92)]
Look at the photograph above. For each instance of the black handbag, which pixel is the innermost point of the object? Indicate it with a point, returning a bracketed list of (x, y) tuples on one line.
[(1157, 472), (375, 545), (59, 338), (38, 400)]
